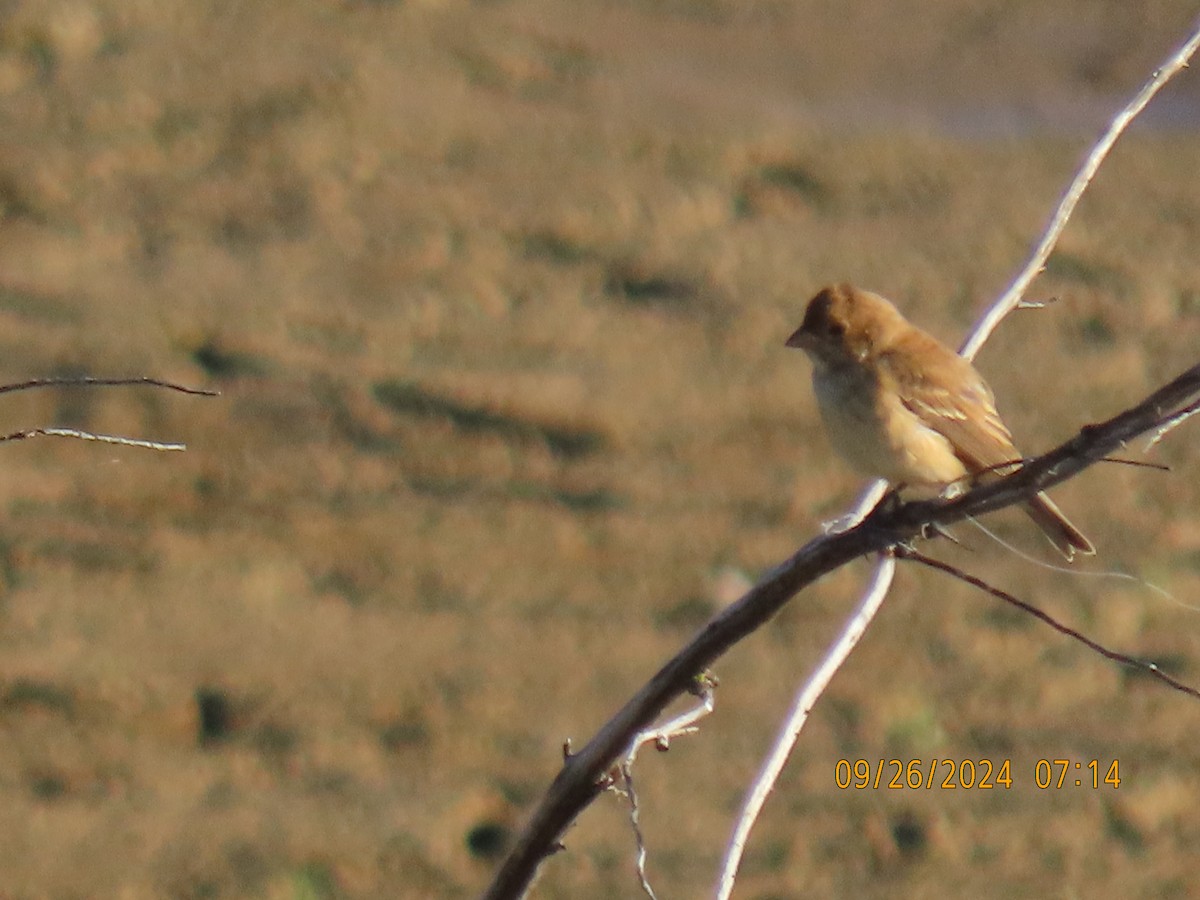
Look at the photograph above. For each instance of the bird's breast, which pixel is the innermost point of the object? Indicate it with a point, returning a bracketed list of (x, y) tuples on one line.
[(871, 429)]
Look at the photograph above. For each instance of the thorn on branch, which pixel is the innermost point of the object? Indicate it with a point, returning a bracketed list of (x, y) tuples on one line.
[(931, 530), (1136, 463), (1036, 304)]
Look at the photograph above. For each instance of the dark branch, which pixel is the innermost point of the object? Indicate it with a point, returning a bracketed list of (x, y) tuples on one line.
[(888, 525), (1136, 463), (89, 381), (1149, 667)]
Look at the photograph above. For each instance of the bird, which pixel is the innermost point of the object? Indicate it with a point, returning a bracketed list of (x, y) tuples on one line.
[(899, 404)]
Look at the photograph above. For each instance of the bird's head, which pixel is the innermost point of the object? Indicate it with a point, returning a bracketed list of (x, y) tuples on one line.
[(843, 324)]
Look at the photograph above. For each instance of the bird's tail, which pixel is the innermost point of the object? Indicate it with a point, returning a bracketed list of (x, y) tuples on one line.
[(1058, 528)]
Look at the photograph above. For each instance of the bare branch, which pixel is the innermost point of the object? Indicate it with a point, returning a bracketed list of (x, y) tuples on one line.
[(635, 819), (90, 436), (660, 736), (1142, 463), (89, 381), (583, 775), (974, 581)]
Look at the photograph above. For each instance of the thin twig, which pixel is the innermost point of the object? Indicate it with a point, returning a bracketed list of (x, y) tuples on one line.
[(1149, 667), (90, 436), (89, 381), (660, 736), (635, 819), (1138, 463)]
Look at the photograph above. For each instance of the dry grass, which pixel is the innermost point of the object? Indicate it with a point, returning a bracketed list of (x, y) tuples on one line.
[(496, 294)]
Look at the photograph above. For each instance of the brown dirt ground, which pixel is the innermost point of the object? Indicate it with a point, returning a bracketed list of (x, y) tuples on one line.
[(496, 294)]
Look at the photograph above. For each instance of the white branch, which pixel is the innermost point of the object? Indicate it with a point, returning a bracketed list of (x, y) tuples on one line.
[(803, 704), (91, 436)]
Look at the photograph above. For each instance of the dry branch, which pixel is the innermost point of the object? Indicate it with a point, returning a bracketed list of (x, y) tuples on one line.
[(1124, 659), (90, 381), (891, 523)]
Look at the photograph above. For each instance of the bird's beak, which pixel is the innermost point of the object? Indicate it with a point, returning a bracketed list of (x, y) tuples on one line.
[(800, 339)]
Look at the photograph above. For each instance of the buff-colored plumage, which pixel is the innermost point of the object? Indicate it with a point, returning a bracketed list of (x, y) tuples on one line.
[(899, 404)]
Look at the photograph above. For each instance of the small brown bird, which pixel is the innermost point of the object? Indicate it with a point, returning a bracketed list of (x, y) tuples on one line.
[(899, 404)]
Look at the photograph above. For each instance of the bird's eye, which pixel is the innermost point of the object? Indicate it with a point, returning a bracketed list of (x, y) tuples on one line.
[(836, 329)]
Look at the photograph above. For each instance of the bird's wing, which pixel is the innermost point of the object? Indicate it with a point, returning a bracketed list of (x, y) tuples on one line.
[(946, 393)]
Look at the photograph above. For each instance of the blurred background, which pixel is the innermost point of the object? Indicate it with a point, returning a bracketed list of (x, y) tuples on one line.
[(496, 295)]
